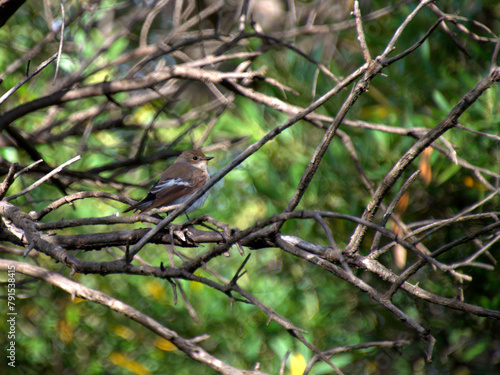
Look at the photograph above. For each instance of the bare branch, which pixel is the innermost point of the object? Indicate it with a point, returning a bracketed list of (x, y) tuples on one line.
[(361, 35), (61, 42), (43, 179), (27, 78), (78, 290), (393, 175)]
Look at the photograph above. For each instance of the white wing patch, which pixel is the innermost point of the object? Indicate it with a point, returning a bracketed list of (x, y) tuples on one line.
[(169, 183)]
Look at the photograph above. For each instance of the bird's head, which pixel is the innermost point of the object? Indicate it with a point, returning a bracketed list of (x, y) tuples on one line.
[(195, 158)]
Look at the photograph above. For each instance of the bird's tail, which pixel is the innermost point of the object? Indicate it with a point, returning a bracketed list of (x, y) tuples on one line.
[(141, 205)]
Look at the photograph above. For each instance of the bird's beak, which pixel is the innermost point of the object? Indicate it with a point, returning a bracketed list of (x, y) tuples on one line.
[(209, 158)]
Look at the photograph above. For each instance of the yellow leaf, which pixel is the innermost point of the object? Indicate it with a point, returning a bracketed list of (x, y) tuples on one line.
[(468, 181), (156, 289), (123, 332), (123, 361), (196, 286), (100, 76), (144, 114), (107, 139), (65, 331), (376, 111), (471, 182), (298, 364), (165, 345)]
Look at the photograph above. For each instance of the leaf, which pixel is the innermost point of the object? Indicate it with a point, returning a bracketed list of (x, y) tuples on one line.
[(441, 101), (144, 114), (475, 350), (65, 331), (117, 48), (67, 64), (100, 76), (165, 345), (425, 165), (155, 289), (124, 361), (448, 173), (123, 332), (297, 364)]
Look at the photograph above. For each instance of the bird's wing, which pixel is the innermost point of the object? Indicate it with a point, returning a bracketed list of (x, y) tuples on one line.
[(173, 184), (167, 191)]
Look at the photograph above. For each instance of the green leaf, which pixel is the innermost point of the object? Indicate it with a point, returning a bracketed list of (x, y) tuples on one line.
[(441, 101), (448, 173), (477, 349)]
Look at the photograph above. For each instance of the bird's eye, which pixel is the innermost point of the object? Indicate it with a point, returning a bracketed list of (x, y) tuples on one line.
[(195, 157)]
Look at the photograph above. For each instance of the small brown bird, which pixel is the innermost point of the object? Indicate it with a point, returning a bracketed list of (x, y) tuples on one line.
[(178, 183)]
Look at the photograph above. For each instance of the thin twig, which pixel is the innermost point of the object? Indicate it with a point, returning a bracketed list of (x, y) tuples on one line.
[(283, 362), (392, 43), (61, 42), (361, 34), (26, 78), (390, 209), (43, 179), (11, 176), (494, 56), (28, 168)]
